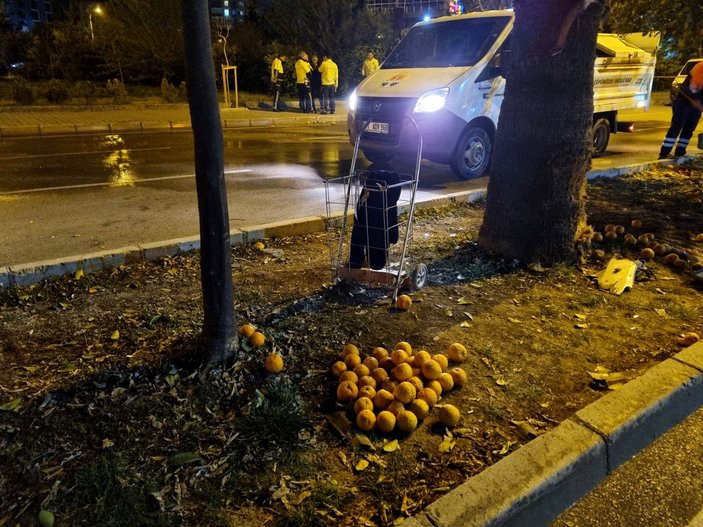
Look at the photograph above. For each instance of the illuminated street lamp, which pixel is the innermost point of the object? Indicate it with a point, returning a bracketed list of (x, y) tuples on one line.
[(98, 11)]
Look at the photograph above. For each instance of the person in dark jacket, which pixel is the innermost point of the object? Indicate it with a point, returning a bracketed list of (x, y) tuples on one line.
[(375, 220), (685, 113), (315, 84)]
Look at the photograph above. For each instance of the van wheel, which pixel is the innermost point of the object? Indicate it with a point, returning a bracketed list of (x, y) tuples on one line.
[(377, 157), (601, 136), (472, 155)]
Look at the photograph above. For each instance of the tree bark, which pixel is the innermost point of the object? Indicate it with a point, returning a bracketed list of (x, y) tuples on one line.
[(536, 193), (218, 337)]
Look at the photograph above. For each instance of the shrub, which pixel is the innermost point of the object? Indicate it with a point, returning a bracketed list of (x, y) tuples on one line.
[(22, 93), (117, 91), (56, 92), (171, 94), (86, 90)]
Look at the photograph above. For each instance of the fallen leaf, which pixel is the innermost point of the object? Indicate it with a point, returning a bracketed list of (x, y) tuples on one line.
[(107, 443), (362, 464), (661, 312), (465, 324), (448, 313), (12, 406), (184, 458), (115, 335), (92, 290), (501, 382), (447, 444), (391, 446), (79, 274), (463, 301), (342, 456), (514, 320), (581, 326), (525, 429), (580, 317)]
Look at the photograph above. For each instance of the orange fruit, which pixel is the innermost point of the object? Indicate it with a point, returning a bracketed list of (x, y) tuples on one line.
[(670, 258), (352, 361), (245, 330), (659, 249), (350, 348), (420, 357), (363, 403), (399, 356), (431, 369), (646, 254), (643, 239), (457, 352), (459, 376), (597, 237), (688, 339), (679, 264), (371, 363), (619, 229), (636, 224), (380, 375), (259, 246), (349, 376), (385, 422), (446, 381), (366, 380), (402, 372), (416, 382), (365, 420), (420, 408), (404, 392), (449, 415), (389, 384), (403, 302), (405, 346), (273, 363), (383, 399), (442, 360), (338, 368), (406, 421), (387, 363), (347, 391), (699, 237), (611, 235), (610, 227), (367, 391), (395, 407), (428, 395), (436, 387), (257, 339), (379, 353), (361, 370)]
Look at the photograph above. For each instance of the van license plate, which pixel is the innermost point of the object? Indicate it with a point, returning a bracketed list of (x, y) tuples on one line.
[(377, 128)]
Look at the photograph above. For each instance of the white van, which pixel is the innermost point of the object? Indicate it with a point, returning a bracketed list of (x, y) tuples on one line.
[(448, 74)]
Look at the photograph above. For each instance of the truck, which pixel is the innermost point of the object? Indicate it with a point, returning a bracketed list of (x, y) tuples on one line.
[(448, 75)]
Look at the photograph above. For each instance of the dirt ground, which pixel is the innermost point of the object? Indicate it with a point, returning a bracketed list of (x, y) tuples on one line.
[(104, 420)]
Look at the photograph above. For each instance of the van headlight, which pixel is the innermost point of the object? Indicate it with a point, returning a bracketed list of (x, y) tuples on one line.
[(351, 103), (431, 101)]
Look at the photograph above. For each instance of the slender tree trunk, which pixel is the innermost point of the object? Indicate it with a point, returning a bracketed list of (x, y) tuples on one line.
[(219, 328), (535, 202)]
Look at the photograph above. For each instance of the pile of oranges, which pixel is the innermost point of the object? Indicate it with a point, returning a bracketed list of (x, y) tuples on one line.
[(397, 389)]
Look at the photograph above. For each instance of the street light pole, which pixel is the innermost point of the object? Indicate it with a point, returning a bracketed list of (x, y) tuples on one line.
[(98, 11)]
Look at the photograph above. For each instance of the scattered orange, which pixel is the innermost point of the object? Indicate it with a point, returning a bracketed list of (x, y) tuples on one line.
[(383, 399), (646, 254), (379, 353), (399, 356), (338, 368), (347, 391), (385, 422), (636, 224), (459, 376), (403, 302), (449, 415), (630, 240), (420, 408), (367, 391), (442, 360), (428, 395), (446, 381), (365, 420), (619, 229), (405, 346), (404, 392), (406, 421), (610, 227), (679, 264), (273, 363), (257, 339), (363, 403), (457, 352), (611, 235), (687, 339), (259, 246), (349, 376), (431, 369), (245, 330), (402, 372), (597, 237), (670, 258)]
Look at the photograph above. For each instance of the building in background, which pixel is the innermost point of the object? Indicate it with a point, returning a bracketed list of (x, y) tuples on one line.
[(23, 14), (229, 11)]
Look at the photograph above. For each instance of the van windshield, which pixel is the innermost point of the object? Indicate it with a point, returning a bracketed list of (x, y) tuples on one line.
[(456, 42)]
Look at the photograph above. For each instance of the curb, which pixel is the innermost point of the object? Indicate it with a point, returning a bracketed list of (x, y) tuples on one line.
[(535, 484)]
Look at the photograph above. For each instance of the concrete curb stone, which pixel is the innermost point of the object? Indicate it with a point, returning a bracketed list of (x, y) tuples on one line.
[(536, 483)]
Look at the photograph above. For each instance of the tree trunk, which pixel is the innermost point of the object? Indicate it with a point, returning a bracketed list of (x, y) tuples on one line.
[(219, 328), (535, 202)]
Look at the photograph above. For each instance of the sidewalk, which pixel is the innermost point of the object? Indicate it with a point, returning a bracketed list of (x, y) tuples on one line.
[(47, 120)]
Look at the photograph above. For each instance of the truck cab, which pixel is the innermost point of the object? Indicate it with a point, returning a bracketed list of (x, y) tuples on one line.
[(448, 74)]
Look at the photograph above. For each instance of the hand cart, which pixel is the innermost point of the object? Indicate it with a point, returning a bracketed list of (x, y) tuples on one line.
[(369, 241)]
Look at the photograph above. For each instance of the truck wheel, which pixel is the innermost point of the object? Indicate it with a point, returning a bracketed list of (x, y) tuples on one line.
[(601, 136), (377, 157), (472, 155)]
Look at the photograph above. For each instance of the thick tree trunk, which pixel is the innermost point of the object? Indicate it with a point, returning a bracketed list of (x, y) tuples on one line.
[(535, 201), (219, 327)]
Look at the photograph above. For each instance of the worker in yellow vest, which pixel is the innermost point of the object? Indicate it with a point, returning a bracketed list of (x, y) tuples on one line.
[(330, 82)]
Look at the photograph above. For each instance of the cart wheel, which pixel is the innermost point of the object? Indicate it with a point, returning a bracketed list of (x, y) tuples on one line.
[(419, 277)]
